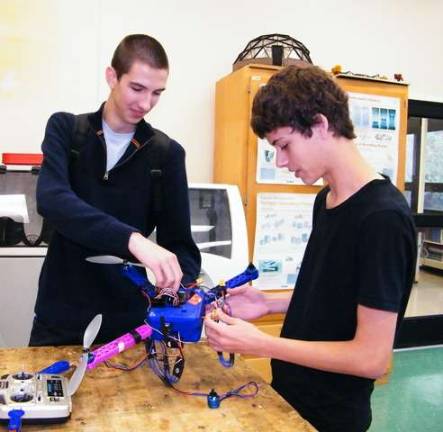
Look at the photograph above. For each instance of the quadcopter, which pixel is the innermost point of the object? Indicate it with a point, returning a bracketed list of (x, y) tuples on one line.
[(172, 320)]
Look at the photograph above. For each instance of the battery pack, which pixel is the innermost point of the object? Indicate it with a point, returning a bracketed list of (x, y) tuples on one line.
[(184, 322)]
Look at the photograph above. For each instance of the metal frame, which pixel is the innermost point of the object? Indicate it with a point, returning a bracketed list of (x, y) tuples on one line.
[(264, 47)]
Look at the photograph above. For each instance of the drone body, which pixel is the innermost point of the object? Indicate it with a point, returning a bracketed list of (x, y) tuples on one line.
[(183, 320)]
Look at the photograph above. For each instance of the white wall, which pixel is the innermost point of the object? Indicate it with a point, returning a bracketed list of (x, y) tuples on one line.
[(53, 54)]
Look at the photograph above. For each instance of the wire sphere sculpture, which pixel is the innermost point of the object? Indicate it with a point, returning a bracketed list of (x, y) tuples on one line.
[(273, 49)]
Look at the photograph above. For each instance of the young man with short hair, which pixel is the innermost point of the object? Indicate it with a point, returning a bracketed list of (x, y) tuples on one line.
[(358, 267), (99, 195)]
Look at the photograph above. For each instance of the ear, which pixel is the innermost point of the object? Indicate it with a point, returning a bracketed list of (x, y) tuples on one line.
[(111, 77), (321, 126)]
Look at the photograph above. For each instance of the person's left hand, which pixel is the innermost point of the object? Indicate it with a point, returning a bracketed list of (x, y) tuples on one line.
[(233, 335)]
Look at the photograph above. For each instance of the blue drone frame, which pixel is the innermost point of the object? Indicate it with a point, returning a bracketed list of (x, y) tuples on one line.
[(182, 323)]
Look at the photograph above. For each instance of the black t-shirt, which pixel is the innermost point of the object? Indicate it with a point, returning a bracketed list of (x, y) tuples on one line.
[(360, 252)]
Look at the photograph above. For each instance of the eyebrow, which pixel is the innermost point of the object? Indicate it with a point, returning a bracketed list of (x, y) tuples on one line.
[(135, 83)]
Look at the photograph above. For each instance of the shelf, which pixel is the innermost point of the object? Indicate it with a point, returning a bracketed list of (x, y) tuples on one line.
[(433, 253), (23, 251), (433, 242), (432, 263)]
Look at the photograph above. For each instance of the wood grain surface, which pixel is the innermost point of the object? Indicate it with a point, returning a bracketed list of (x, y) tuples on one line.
[(114, 400)]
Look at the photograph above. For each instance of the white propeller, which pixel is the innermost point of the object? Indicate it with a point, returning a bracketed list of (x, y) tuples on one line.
[(88, 339), (110, 259)]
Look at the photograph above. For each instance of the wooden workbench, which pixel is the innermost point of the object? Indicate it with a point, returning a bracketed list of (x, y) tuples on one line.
[(113, 400)]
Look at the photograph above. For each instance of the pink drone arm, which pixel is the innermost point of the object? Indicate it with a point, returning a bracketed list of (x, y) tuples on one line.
[(119, 345)]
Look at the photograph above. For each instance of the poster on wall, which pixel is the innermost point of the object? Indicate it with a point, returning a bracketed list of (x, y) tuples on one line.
[(376, 122), (267, 171), (284, 224)]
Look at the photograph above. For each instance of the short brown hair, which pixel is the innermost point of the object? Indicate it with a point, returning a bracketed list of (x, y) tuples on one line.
[(295, 97), (139, 47)]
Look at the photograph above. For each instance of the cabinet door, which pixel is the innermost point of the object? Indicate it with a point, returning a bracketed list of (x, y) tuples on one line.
[(18, 282), (388, 90), (252, 187), (263, 365)]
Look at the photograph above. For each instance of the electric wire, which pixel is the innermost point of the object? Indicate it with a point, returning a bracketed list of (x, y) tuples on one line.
[(160, 362), (237, 392)]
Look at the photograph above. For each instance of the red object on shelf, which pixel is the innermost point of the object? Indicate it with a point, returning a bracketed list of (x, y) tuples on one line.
[(22, 158)]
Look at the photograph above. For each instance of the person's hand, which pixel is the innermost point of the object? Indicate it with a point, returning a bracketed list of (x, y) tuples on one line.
[(246, 302), (227, 334), (161, 262)]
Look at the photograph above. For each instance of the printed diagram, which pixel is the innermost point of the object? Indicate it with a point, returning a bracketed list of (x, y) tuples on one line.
[(284, 223), (376, 123), (267, 170)]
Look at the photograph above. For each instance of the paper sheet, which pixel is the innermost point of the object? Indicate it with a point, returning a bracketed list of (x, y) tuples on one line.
[(376, 122), (14, 206), (284, 224)]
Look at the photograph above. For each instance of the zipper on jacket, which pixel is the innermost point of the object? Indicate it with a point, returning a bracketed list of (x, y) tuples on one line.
[(102, 140), (125, 161), (100, 136)]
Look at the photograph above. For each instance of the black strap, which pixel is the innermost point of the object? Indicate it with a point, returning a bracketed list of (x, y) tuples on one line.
[(79, 134), (158, 152)]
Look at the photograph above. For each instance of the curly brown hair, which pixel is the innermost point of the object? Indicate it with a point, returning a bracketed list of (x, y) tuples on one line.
[(139, 47), (295, 97)]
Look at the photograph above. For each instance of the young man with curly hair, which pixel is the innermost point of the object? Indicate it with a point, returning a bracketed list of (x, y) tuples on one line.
[(357, 271)]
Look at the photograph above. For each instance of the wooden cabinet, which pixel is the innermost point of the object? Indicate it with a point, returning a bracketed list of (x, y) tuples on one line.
[(235, 156), (271, 324), (235, 151), (235, 161)]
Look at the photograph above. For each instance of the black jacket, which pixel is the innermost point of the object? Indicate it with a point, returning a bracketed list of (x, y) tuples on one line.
[(94, 212)]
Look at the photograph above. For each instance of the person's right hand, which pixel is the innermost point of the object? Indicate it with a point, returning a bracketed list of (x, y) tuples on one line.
[(246, 302), (163, 263)]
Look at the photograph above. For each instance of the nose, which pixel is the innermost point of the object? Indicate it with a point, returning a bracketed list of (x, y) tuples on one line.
[(146, 103), (281, 159)]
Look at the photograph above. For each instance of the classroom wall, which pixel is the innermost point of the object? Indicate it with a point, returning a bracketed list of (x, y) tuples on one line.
[(53, 54)]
